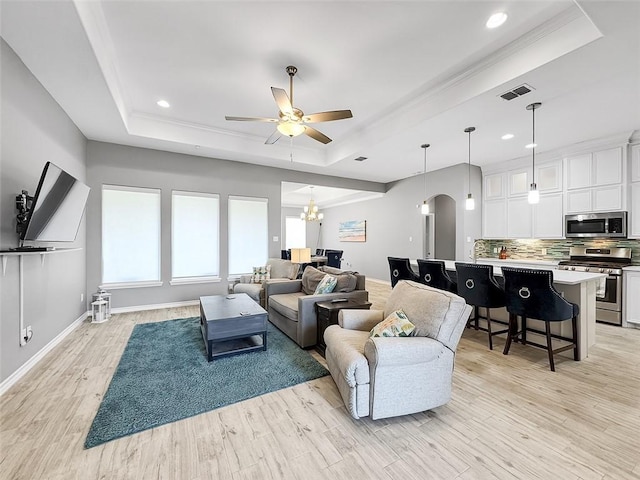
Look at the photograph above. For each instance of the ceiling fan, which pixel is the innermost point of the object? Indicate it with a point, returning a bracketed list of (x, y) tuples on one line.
[(292, 121)]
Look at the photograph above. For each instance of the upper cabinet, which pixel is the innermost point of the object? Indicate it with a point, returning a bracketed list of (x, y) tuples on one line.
[(594, 182), (494, 186), (549, 177), (519, 181), (635, 163)]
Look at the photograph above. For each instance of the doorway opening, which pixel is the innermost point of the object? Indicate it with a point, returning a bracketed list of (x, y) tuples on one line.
[(440, 229)]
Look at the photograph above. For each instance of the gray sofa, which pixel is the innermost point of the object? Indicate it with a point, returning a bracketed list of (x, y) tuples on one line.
[(291, 304), (389, 376), (281, 270)]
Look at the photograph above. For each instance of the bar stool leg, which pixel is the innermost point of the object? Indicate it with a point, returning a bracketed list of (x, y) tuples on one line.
[(477, 319), (574, 325), (549, 347), (513, 329), (489, 328), (524, 330)]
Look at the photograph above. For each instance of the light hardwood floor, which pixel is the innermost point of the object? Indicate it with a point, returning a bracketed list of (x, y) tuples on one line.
[(510, 417)]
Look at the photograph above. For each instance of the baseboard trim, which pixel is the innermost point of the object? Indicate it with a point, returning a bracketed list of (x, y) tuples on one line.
[(155, 306), (29, 364)]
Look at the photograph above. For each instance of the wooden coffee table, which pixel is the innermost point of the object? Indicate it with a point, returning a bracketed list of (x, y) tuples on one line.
[(232, 324)]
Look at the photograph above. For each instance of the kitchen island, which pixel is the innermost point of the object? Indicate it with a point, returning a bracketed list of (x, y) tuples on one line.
[(577, 287)]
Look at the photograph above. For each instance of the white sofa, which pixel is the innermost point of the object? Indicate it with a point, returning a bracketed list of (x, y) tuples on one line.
[(391, 376)]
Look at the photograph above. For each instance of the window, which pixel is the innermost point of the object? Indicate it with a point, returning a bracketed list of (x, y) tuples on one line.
[(248, 233), (295, 233), (130, 236), (195, 237)]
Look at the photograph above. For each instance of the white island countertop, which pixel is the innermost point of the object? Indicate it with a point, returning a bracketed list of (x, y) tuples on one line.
[(565, 277)]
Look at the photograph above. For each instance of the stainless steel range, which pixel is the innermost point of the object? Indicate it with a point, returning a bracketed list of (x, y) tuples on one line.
[(602, 260)]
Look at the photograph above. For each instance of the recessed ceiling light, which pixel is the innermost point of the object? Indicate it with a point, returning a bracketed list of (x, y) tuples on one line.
[(507, 136), (163, 103), (496, 20), (531, 145)]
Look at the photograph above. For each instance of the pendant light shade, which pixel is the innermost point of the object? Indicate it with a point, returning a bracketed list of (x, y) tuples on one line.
[(470, 204), (534, 194), (425, 205)]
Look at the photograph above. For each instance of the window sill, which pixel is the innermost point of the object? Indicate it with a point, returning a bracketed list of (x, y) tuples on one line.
[(118, 286), (193, 280)]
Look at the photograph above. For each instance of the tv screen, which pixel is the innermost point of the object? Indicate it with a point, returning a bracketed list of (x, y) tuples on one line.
[(57, 207)]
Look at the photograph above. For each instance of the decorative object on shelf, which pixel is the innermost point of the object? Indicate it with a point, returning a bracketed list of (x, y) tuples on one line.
[(470, 204), (534, 194), (310, 213), (301, 255), (353, 231), (101, 306), (425, 205)]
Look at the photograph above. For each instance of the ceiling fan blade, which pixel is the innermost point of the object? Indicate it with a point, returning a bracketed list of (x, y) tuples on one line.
[(282, 99), (250, 119), (328, 116), (273, 138), (316, 135)]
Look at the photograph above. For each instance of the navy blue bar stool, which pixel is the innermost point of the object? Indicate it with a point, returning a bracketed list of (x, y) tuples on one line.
[(400, 269), (531, 294), (480, 289), (433, 273), (334, 257)]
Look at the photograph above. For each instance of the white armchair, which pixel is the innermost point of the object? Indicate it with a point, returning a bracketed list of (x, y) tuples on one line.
[(391, 376)]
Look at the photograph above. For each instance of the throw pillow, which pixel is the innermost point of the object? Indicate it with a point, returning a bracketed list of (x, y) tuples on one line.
[(326, 285), (262, 273), (311, 277), (395, 325)]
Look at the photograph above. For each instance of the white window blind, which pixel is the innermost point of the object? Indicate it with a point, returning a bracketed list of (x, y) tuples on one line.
[(130, 235), (195, 237), (248, 233), (295, 233)]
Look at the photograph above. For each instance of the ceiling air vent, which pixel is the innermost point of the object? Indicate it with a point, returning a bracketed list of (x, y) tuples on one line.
[(517, 92), (360, 159)]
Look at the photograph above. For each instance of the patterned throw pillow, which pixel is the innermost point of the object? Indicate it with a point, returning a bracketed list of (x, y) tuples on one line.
[(260, 274), (395, 325), (326, 285)]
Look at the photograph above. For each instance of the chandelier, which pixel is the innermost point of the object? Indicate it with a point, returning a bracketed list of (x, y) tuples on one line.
[(310, 212)]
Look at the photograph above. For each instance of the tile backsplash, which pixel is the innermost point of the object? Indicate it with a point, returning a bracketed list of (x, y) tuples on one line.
[(556, 250)]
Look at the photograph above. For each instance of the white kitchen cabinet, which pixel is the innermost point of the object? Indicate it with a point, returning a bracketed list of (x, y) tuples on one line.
[(635, 163), (519, 218), (549, 177), (548, 220), (578, 171), (494, 219), (634, 211), (604, 199), (494, 186), (607, 167), (631, 299), (519, 182), (578, 201)]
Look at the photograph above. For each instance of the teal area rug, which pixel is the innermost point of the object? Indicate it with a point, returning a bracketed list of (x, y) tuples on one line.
[(163, 376)]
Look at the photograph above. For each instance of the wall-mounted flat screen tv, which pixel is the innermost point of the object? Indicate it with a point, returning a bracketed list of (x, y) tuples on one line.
[(57, 207)]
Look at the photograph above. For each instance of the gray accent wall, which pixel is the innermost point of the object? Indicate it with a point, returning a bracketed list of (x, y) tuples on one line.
[(395, 226), (35, 130), (138, 167)]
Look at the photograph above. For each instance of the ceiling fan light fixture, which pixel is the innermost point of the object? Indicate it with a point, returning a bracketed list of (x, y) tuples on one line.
[(291, 129)]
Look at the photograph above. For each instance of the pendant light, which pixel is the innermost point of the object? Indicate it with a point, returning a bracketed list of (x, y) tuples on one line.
[(470, 204), (425, 205), (534, 194)]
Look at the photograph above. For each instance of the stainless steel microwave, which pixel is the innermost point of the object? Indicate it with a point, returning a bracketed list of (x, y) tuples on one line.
[(593, 225)]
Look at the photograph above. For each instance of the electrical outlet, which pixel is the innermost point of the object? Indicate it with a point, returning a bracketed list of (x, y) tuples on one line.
[(411, 239), (495, 250), (81, 297), (544, 251)]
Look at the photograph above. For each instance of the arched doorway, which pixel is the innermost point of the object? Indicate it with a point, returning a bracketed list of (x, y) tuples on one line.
[(440, 229)]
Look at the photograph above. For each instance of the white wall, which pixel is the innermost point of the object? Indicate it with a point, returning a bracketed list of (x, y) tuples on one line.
[(35, 130), (395, 224)]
